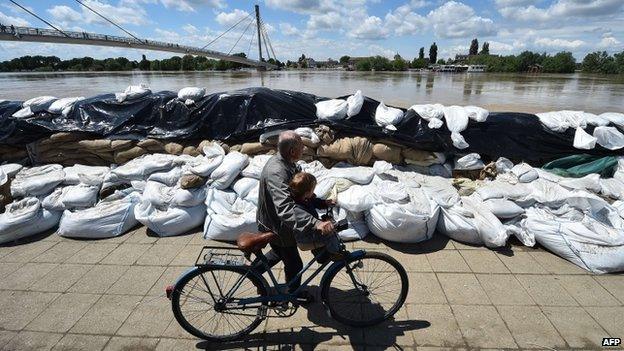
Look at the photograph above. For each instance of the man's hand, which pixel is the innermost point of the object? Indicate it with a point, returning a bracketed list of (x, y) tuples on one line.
[(326, 227), (330, 202)]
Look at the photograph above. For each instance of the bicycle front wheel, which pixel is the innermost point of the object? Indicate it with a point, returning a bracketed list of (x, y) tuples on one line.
[(207, 302), (366, 291)]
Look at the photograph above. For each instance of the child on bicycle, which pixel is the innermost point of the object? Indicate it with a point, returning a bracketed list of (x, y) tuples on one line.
[(302, 190)]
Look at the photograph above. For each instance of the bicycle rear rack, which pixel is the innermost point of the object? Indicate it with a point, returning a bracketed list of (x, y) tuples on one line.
[(220, 256)]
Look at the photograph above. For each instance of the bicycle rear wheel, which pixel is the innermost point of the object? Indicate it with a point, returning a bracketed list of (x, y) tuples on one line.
[(200, 305), (366, 291)]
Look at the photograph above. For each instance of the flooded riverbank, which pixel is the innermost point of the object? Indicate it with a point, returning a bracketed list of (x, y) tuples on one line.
[(494, 91)]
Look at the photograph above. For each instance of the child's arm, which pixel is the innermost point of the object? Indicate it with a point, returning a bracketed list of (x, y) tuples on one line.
[(321, 204)]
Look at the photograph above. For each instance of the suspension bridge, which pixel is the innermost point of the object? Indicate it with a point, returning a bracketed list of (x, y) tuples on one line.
[(53, 34)]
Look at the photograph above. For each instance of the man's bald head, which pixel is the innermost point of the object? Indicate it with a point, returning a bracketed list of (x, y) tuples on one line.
[(289, 145)]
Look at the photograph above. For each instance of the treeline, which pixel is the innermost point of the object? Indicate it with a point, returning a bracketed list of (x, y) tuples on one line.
[(175, 63)]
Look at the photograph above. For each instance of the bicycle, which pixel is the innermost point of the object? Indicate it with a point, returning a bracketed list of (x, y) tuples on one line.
[(223, 297)]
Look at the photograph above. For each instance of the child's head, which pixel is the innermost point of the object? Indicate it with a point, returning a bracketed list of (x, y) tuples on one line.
[(302, 185)]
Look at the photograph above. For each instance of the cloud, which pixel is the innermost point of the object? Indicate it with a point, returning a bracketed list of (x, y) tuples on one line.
[(559, 43), (299, 6), (525, 10), (326, 21), (288, 29), (403, 21), (416, 4), (231, 18), (16, 21), (189, 28), (608, 42), (457, 20), (371, 28), (124, 13), (375, 50), (191, 5)]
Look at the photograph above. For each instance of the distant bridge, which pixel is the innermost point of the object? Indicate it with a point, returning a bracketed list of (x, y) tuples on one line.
[(52, 36)]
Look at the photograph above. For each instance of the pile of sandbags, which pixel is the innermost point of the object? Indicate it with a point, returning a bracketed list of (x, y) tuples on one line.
[(607, 127)]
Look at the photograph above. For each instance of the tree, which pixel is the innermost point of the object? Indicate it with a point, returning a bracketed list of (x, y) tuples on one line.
[(600, 62), (345, 59), (188, 63), (485, 50), (474, 47), (419, 63), (421, 53), (155, 65), (144, 65), (399, 64), (363, 65), (433, 52), (562, 62), (441, 62)]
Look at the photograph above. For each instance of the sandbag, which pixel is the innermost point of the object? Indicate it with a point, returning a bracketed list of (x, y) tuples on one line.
[(169, 221), (256, 164), (334, 109), (308, 133), (233, 163), (612, 187), (254, 148), (560, 121), (590, 182), (74, 173), (456, 121), (609, 138), (358, 198), (422, 158), (503, 208), (469, 162), (140, 168), (191, 181), (583, 140), (476, 113), (389, 153), (524, 172), (354, 103), (133, 92), (40, 103), (160, 195), (191, 93), (24, 218), (169, 178), (240, 218), (37, 180), (108, 218), (356, 150), (614, 117), (357, 229), (243, 186), (213, 156), (63, 106), (429, 112), (388, 117)]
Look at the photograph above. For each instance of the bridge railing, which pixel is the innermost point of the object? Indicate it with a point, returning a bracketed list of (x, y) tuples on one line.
[(19, 31)]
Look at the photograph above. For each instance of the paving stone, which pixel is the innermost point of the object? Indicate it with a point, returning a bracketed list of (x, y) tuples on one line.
[(159, 255), (174, 330), (576, 326), (126, 344), (187, 256), (178, 344), (546, 290), (610, 318), (125, 254), (27, 340), (463, 288), (504, 289), (20, 307), (424, 288), (76, 342), (169, 277), (106, 315), (397, 331), (411, 261), (178, 240), (521, 262), (447, 261), (7, 268), (99, 279), (26, 252), (27, 275), (139, 236), (463, 246), (443, 329), (436, 243), (483, 261), (60, 252), (61, 278), (482, 327), (63, 312), (92, 253), (5, 250), (586, 292), (530, 327), (197, 238), (150, 318), (137, 280), (6, 336), (614, 284), (555, 264)]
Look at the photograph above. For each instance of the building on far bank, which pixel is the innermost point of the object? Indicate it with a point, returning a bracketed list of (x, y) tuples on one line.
[(311, 63), (353, 61)]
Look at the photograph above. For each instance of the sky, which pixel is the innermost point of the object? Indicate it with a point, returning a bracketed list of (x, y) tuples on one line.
[(325, 29)]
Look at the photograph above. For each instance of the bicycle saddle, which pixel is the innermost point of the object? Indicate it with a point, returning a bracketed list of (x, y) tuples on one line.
[(253, 242)]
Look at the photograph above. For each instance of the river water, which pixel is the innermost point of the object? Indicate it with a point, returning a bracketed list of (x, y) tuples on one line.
[(493, 91)]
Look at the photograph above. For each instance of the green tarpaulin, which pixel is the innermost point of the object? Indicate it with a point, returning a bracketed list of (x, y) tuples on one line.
[(577, 166)]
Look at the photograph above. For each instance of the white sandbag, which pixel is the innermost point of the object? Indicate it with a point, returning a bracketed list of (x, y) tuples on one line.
[(213, 156), (441, 190), (435, 123), (40, 103), (358, 174), (308, 133), (264, 137), (358, 198), (354, 103), (476, 113), (133, 92), (188, 197), (590, 182), (547, 193), (503, 165), (11, 169), (560, 121), (503, 208), (456, 121), (64, 104), (388, 117), (612, 187), (160, 195), (390, 191), (498, 189), (583, 140), (71, 197), (524, 172), (469, 162), (255, 167), (37, 180), (220, 201), (410, 222), (243, 186), (241, 218), (356, 229), (324, 187), (334, 109), (614, 117), (169, 178), (23, 113), (233, 163), (191, 93), (141, 167), (490, 229), (457, 223), (107, 219), (619, 170), (589, 242), (24, 218), (619, 207), (429, 112), (594, 120), (609, 137), (73, 173), (169, 221)]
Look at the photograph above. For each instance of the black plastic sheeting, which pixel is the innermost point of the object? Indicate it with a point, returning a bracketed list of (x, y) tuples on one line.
[(242, 115)]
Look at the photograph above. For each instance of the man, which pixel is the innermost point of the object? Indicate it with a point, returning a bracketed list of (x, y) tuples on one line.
[(277, 211)]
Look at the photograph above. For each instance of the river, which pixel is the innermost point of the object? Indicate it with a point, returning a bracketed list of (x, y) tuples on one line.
[(493, 91)]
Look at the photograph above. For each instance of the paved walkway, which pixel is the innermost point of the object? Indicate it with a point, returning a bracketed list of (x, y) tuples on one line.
[(67, 294)]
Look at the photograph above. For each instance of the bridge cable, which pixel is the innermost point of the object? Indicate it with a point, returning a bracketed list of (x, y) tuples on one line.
[(253, 36), (222, 34), (269, 40), (111, 22), (239, 38), (265, 43), (41, 19)]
